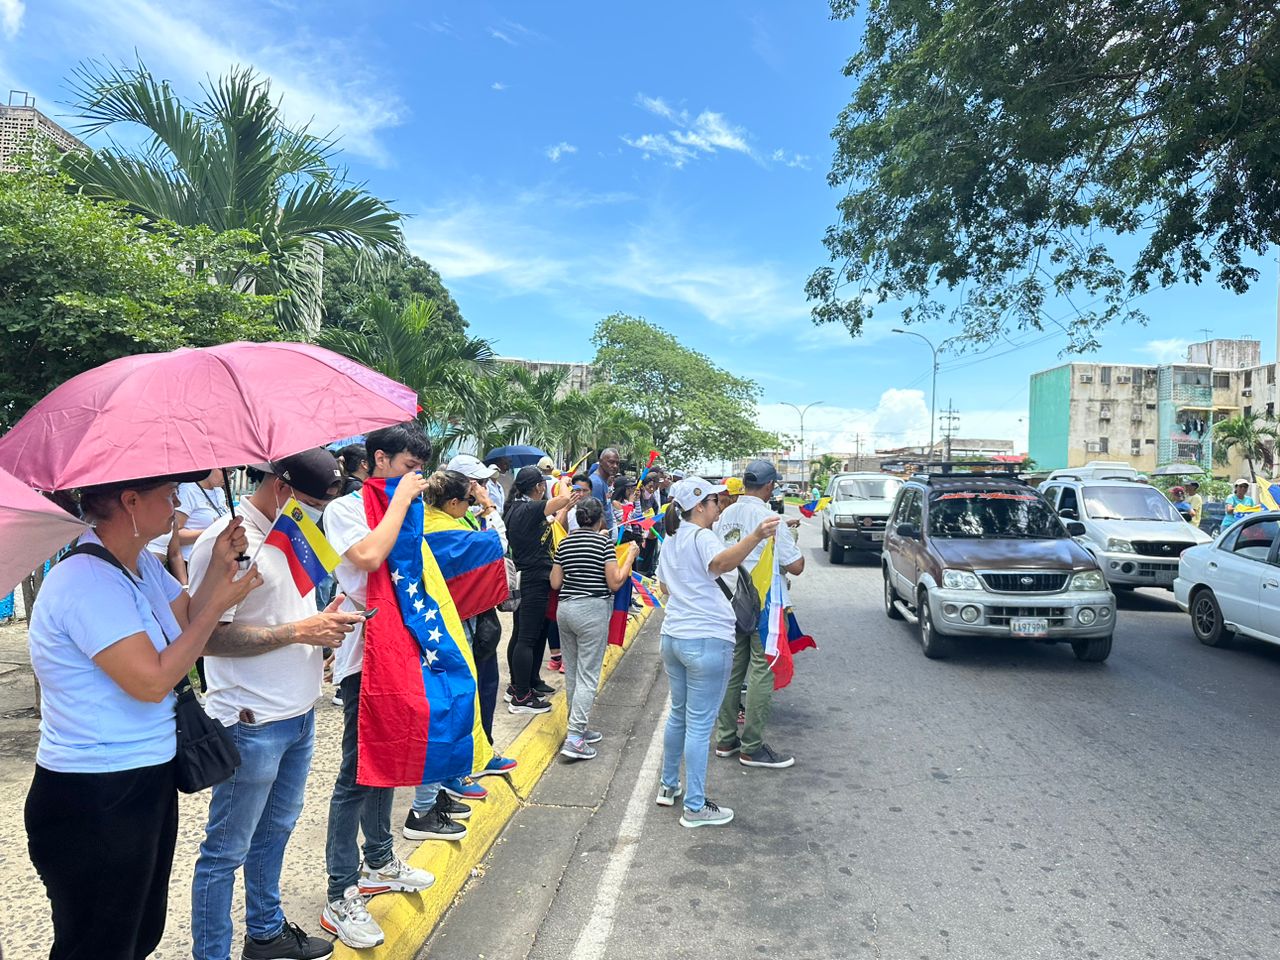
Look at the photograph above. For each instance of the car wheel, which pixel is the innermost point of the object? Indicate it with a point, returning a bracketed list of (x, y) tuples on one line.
[(835, 552), (1206, 619), (935, 645), (826, 540), (890, 608), (1092, 651)]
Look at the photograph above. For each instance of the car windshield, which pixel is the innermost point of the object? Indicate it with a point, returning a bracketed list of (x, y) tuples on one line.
[(1128, 503), (998, 514), (868, 488)]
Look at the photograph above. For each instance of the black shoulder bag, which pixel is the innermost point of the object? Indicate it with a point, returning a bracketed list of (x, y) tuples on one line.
[(745, 601), (206, 754)]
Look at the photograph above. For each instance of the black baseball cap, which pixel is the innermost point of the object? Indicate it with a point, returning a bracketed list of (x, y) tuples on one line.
[(313, 472), (528, 478), (759, 473)]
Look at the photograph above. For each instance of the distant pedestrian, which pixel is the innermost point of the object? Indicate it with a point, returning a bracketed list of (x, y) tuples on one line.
[(1239, 498), (1178, 497), (586, 572), (354, 461), (1196, 501), (697, 639)]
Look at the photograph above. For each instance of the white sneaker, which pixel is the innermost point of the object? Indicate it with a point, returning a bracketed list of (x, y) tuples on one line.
[(667, 796), (395, 875), (711, 815), (348, 919)]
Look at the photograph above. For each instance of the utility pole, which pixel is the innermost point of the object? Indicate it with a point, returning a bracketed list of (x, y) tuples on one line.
[(951, 419)]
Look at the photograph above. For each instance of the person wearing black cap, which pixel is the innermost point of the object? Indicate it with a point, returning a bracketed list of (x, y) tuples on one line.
[(528, 518), (749, 662), (111, 634), (264, 663)]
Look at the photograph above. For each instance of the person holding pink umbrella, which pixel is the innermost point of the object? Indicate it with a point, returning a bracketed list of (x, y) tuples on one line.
[(111, 634)]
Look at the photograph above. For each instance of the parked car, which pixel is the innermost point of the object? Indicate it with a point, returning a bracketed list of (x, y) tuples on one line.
[(855, 519), (1211, 515), (985, 556), (1132, 529), (1233, 584)]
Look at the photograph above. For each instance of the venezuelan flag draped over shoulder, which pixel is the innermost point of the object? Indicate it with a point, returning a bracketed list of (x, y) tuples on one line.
[(780, 632), (471, 562), (419, 711), (310, 556)]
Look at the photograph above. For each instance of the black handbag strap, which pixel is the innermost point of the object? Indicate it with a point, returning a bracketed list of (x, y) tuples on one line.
[(105, 555), (724, 587)]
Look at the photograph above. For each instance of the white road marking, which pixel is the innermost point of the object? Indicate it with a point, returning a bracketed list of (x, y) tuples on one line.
[(594, 937)]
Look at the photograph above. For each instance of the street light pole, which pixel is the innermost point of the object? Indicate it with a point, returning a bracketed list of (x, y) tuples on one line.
[(933, 388), (802, 412)]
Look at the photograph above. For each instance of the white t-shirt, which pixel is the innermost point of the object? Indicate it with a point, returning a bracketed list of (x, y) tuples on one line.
[(744, 516), (88, 724), (345, 526), (282, 683), (697, 608), (202, 507)]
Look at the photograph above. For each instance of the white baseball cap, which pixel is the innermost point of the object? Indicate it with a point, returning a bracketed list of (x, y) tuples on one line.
[(1241, 482), (471, 467), (691, 491)]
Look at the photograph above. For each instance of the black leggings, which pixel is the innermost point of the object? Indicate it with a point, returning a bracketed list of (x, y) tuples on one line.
[(111, 896), (530, 642)]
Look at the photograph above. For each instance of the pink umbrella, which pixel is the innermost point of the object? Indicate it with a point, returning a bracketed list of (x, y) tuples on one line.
[(32, 530), (195, 409)]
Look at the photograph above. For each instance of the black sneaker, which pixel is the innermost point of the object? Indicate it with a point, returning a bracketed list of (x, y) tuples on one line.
[(543, 689), (765, 757), (291, 944), (509, 694), (435, 824), (530, 703), (455, 809)]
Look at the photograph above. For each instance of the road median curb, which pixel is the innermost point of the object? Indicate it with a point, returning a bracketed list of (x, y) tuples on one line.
[(407, 919)]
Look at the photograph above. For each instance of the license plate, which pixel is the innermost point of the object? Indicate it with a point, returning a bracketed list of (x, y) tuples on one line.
[(1029, 627), (876, 537)]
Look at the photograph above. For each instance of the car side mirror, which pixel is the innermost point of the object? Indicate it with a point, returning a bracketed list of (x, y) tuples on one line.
[(780, 505), (1068, 514), (907, 530), (1076, 529)]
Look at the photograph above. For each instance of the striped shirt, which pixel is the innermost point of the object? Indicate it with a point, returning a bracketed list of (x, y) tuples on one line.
[(582, 556)]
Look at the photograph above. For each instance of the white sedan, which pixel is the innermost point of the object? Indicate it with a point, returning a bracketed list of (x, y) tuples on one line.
[(1233, 584)]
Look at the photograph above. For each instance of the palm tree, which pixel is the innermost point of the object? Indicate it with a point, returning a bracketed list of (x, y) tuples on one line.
[(230, 162), (823, 466), (1250, 436), (410, 345)]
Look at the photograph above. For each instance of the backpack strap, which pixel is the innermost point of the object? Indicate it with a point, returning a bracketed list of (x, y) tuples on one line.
[(724, 587)]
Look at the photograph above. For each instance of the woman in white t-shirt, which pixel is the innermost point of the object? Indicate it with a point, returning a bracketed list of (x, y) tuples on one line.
[(697, 638), (110, 636), (199, 505)]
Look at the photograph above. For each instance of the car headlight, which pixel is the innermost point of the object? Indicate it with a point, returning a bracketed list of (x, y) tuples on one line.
[(1116, 545), (845, 521), (1089, 580), (960, 580)]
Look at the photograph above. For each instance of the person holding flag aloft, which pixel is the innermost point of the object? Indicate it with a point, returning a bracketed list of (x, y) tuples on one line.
[(750, 664), (264, 665), (697, 638)]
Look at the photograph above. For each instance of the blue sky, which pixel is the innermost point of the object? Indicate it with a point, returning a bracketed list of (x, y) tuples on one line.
[(561, 162)]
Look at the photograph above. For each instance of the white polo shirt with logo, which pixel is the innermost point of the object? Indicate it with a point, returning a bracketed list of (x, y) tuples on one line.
[(745, 515), (282, 683)]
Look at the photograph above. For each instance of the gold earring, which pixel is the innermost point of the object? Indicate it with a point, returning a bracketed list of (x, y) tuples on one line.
[(135, 524)]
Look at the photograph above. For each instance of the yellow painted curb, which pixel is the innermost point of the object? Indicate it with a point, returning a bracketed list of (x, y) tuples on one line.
[(407, 919)]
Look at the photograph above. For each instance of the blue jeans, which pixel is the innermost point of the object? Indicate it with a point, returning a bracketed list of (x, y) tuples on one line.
[(424, 796), (697, 671), (355, 808), (251, 816)]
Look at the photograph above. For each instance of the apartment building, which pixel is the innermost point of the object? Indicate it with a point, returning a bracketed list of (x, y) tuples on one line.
[(21, 123), (578, 376), (1150, 414)]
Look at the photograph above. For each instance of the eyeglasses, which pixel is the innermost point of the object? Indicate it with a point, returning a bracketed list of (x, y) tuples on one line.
[(471, 499)]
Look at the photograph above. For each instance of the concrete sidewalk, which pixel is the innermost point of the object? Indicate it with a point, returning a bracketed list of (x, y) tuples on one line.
[(26, 930)]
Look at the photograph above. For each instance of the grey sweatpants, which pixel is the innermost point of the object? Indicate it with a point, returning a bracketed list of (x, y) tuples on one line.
[(584, 633)]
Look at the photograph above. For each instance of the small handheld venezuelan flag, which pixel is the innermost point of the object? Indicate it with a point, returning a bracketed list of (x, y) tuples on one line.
[(311, 557), (814, 506)]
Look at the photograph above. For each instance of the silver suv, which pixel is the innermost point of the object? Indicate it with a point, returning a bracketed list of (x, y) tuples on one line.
[(1132, 529)]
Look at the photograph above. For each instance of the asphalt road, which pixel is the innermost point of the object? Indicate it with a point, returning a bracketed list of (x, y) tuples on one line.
[(1009, 802)]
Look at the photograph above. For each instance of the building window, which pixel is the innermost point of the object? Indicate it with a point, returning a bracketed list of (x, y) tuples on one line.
[(1150, 443), (1248, 378), (1221, 381), (1248, 412), (1102, 445), (1151, 406), (1135, 448), (1271, 410), (1192, 378), (1271, 374), (1104, 376)]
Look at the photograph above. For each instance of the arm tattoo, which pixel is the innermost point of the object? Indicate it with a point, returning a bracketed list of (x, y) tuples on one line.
[(238, 640)]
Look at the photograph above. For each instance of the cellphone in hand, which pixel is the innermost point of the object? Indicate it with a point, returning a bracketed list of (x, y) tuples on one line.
[(370, 613)]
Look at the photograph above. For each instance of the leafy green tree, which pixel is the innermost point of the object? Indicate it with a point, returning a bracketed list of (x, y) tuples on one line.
[(1251, 437), (693, 408), (822, 468), (351, 277), (410, 344), (83, 282), (230, 162), (995, 150)]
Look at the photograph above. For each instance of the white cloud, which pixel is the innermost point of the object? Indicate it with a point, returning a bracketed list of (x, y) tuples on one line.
[(559, 150), (1172, 350), (795, 160), (497, 85), (11, 12), (314, 80), (499, 35), (693, 136)]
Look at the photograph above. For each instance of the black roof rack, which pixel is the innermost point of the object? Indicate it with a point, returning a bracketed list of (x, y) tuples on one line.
[(969, 470)]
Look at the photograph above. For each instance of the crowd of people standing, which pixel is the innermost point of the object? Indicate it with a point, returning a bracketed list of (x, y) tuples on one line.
[(171, 574)]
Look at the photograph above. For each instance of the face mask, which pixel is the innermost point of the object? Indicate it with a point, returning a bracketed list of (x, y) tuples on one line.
[(312, 512)]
